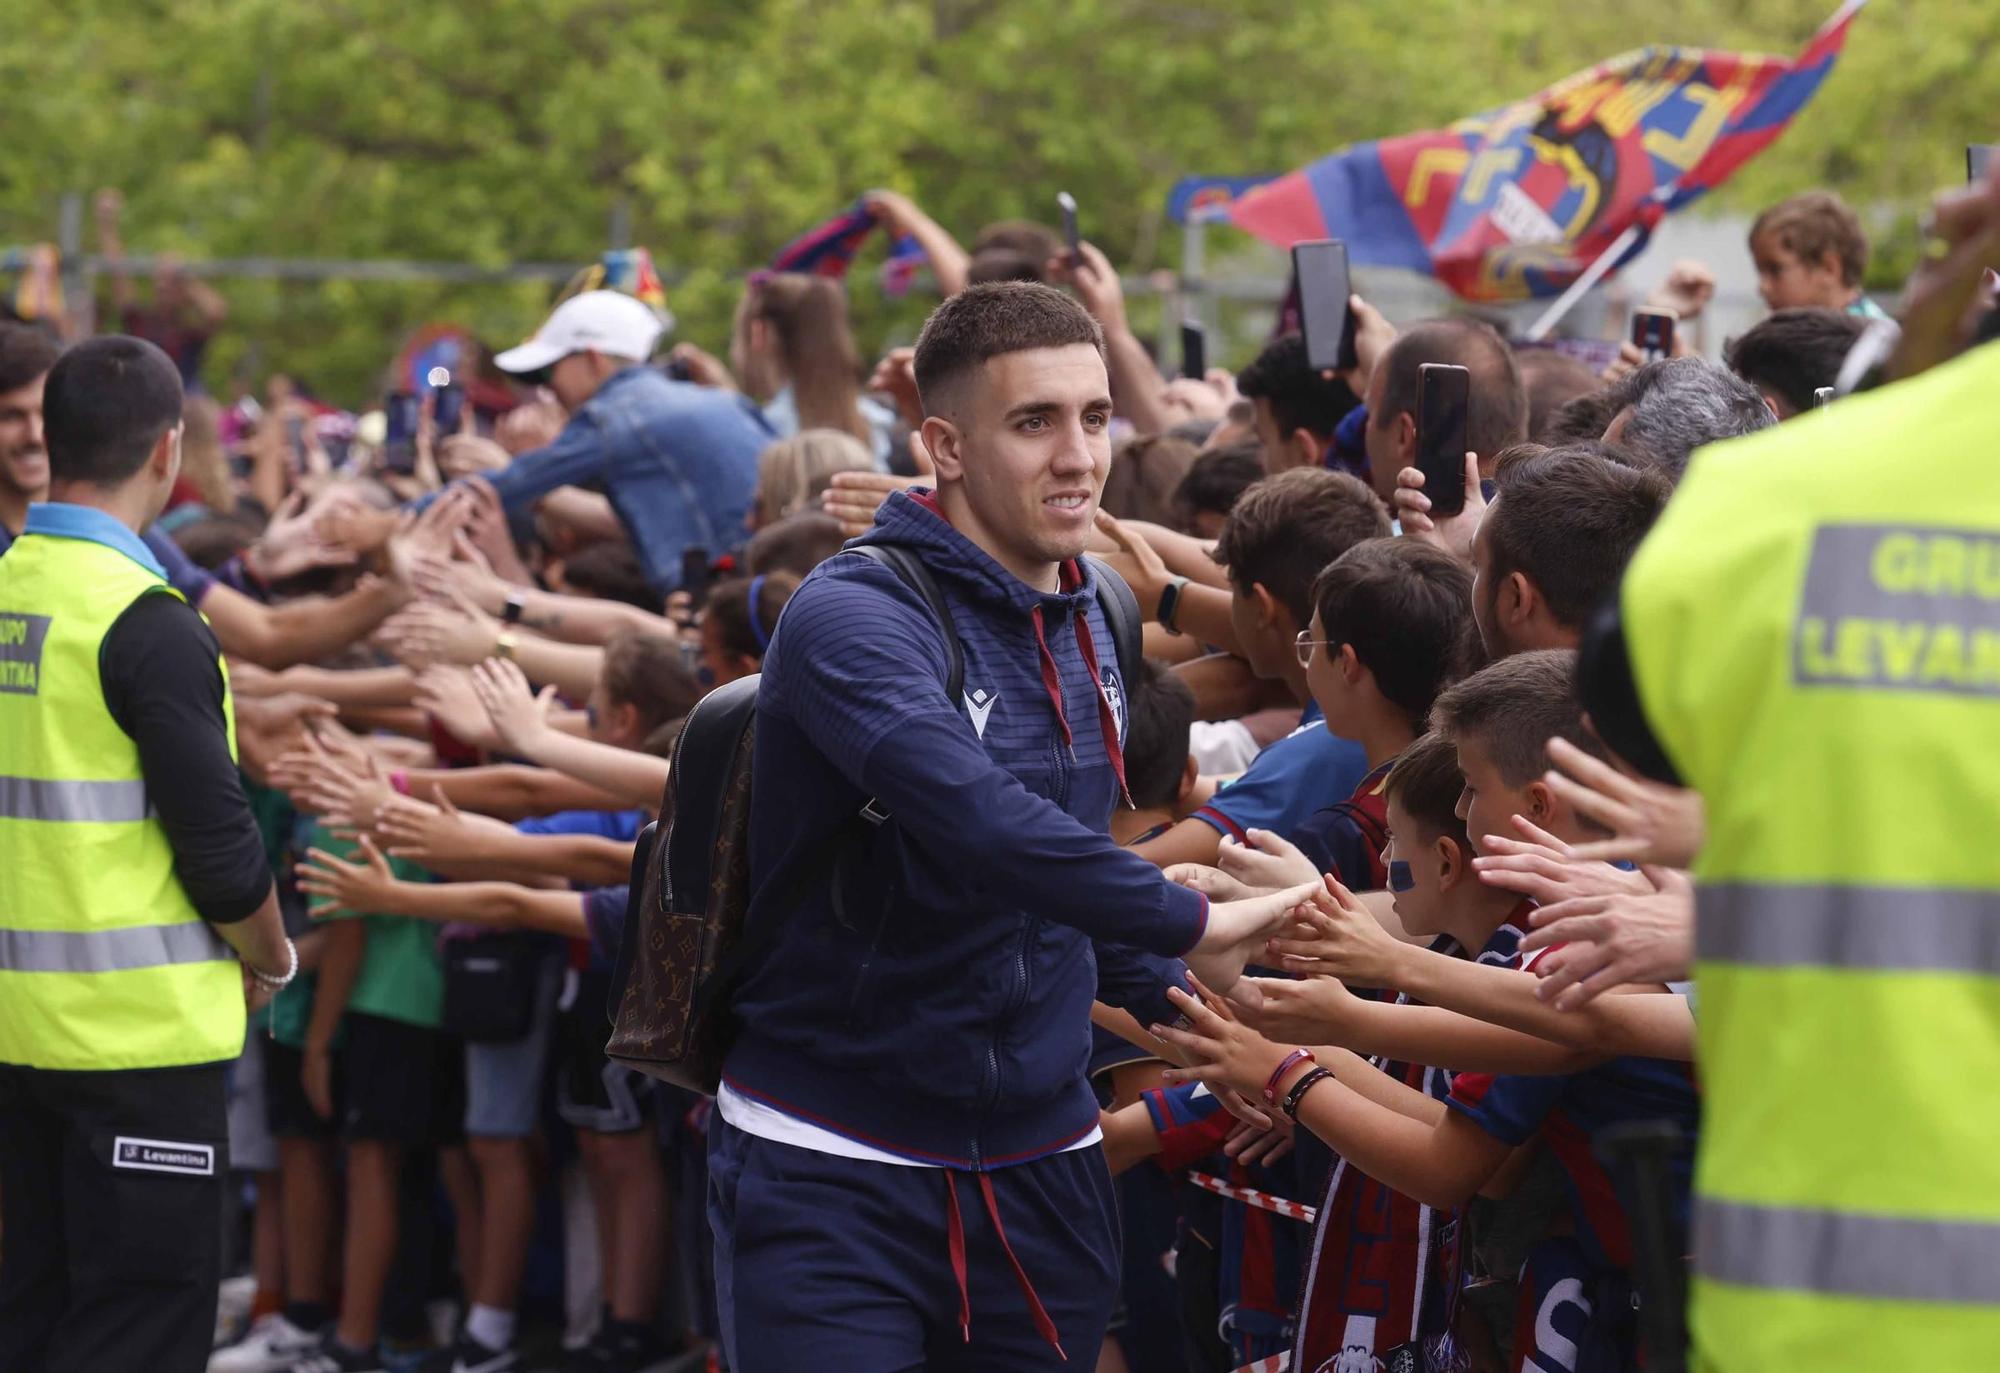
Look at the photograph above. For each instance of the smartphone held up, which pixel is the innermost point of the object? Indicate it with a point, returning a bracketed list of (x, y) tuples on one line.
[(1444, 402), (1653, 333), (1326, 311)]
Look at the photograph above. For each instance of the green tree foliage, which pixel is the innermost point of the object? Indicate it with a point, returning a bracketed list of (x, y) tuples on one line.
[(512, 130)]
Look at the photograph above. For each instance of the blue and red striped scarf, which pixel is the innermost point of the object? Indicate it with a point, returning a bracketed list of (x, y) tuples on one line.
[(829, 250)]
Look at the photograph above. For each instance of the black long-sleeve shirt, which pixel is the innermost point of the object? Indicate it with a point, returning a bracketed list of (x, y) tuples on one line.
[(162, 675)]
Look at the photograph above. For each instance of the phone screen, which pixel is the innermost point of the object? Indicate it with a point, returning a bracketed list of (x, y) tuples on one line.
[(1194, 351), (399, 441), (1324, 314), (1653, 333), (1978, 157), (448, 409), (1444, 397), (1066, 203)]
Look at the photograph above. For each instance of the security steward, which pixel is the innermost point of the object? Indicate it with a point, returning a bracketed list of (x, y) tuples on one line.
[(1811, 639), (132, 882)]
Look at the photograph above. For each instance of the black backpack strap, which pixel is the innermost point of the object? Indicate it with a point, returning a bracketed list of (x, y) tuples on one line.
[(1121, 611), (911, 572)]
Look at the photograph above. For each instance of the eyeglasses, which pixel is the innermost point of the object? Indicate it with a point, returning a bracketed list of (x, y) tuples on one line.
[(1305, 644)]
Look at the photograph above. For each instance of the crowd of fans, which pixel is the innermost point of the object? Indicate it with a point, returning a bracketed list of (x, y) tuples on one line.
[(459, 681)]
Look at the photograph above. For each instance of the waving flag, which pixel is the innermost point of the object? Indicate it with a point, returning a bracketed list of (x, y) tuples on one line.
[(829, 250), (1520, 200)]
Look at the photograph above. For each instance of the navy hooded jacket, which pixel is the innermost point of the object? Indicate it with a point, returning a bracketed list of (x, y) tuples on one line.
[(929, 994)]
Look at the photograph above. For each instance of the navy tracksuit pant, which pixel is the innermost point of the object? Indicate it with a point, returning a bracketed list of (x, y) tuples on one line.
[(848, 1266)]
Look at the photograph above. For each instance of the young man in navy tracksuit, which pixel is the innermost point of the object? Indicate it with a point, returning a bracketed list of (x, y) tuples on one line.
[(905, 1170)]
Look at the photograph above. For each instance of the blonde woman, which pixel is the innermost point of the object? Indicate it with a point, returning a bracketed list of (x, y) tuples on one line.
[(792, 472)]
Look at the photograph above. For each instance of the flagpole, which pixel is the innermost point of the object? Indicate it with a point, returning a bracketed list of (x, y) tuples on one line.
[(1592, 274)]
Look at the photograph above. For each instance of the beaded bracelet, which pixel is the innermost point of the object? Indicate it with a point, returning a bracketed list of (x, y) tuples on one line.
[(272, 980)]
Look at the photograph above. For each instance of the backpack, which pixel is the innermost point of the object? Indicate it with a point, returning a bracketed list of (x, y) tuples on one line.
[(686, 943)]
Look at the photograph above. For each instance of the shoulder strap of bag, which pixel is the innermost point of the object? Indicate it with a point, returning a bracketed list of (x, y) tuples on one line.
[(1121, 611)]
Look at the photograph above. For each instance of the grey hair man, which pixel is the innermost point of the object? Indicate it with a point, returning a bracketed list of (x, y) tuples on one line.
[(1667, 409)]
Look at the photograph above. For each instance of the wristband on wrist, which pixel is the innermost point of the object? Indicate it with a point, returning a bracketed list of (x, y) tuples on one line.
[(1305, 1084), (1290, 1061), (503, 645), (517, 601), (399, 782), (1170, 605)]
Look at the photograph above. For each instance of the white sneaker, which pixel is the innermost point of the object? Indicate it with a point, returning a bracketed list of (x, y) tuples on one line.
[(273, 1345), (233, 1300)]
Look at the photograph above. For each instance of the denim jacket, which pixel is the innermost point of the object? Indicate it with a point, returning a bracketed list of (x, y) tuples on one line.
[(678, 461)]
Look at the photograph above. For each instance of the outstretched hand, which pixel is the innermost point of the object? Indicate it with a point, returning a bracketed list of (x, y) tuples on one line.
[(1267, 863), (1219, 1049), (1650, 822), (358, 888), (1336, 936), (520, 715), (1237, 931), (1609, 941)]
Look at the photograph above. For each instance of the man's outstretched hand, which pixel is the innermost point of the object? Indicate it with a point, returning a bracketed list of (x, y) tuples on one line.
[(1237, 931)]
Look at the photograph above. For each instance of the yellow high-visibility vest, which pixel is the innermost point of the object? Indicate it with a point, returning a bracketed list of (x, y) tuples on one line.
[(1814, 629), (104, 962)]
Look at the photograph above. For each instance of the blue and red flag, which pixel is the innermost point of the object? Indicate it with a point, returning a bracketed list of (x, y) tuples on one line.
[(1518, 201), (829, 250)]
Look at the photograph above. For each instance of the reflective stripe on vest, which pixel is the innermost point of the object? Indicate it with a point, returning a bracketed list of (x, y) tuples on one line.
[(105, 951), (1878, 929), (1895, 1258), (31, 798)]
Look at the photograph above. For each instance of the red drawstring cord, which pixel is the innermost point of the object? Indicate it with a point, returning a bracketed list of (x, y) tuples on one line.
[(955, 1242), (1052, 681), (1046, 1326)]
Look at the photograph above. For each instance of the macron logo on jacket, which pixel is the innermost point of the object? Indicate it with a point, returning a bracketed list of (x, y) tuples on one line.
[(979, 705)]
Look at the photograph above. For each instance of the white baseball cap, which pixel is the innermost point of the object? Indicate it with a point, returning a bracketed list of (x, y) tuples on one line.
[(608, 322)]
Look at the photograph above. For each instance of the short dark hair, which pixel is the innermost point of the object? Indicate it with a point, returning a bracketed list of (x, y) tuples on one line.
[(1812, 224), (1288, 527), (1406, 608), (990, 321), (1498, 414), (1146, 471), (1794, 353), (729, 606), (1585, 417), (1012, 250), (25, 354), (1552, 380), (796, 544), (1569, 521), (610, 571), (1425, 781), (1299, 397), (108, 401), (1159, 715), (646, 671), (1217, 479), (1512, 708)]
